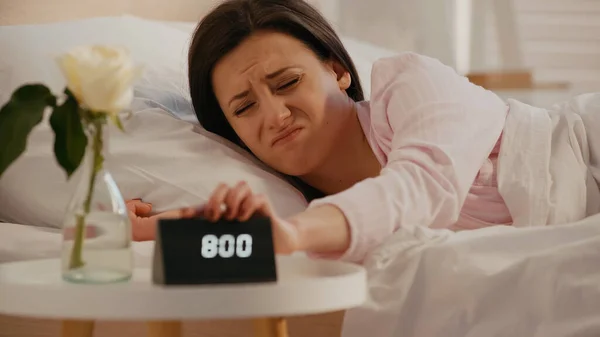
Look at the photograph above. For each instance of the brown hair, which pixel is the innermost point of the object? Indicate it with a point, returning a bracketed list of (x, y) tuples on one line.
[(233, 21)]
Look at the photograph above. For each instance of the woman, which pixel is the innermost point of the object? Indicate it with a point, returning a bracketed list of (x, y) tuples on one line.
[(273, 77)]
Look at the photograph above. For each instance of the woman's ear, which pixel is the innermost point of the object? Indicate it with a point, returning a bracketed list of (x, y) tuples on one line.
[(342, 75)]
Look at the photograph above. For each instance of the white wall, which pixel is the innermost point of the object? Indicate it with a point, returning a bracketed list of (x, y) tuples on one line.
[(424, 26), (560, 40)]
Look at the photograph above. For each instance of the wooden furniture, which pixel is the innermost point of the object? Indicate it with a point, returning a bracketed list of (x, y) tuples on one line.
[(319, 325)]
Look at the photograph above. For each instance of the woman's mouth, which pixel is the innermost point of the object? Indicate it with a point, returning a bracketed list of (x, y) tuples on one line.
[(286, 136)]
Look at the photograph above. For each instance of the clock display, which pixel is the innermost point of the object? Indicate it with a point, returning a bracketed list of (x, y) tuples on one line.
[(226, 246), (198, 251)]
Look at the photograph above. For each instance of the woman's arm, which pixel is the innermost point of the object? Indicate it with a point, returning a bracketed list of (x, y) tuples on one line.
[(322, 230), (436, 129)]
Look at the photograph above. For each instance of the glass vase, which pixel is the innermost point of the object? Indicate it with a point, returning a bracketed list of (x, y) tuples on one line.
[(96, 231)]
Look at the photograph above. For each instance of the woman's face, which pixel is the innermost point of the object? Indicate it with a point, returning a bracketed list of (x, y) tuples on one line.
[(286, 105)]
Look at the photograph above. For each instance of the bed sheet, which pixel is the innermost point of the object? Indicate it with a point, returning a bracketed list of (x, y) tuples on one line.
[(498, 281), (23, 242)]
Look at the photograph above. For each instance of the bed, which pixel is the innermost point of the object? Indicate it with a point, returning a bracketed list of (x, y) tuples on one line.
[(34, 192), (500, 281)]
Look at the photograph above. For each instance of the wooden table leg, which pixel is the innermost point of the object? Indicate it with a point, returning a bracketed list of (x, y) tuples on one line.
[(164, 329), (270, 327), (73, 328)]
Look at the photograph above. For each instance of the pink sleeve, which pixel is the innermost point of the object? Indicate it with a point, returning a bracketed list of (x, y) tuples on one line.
[(439, 129)]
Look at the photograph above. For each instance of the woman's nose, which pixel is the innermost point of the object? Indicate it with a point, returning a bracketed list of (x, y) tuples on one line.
[(277, 113)]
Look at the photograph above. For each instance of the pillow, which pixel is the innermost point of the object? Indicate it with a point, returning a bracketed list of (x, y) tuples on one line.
[(161, 159), (34, 48)]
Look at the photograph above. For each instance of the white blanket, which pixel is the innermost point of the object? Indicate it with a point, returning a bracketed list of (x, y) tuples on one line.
[(498, 281), (527, 280), (549, 162)]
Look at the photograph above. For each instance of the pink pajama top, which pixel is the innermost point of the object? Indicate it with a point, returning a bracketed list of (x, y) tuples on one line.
[(437, 137)]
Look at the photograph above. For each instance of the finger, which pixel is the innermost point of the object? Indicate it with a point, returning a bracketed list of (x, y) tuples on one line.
[(144, 229), (255, 204), (213, 209), (130, 204), (235, 197), (139, 207)]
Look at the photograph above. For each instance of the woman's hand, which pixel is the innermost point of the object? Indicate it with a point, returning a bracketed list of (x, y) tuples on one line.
[(226, 202), (320, 230), (143, 223), (240, 203)]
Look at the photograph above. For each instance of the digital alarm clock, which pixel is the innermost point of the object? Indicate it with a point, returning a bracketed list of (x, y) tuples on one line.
[(199, 251)]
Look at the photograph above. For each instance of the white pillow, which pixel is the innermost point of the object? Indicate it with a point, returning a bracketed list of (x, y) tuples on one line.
[(29, 51), (161, 159)]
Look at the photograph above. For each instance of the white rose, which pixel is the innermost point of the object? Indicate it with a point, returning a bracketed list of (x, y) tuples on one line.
[(100, 77)]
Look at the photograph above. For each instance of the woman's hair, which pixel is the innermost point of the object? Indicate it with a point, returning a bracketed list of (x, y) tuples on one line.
[(231, 23)]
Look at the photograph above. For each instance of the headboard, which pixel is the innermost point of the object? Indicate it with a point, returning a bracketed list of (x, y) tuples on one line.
[(42, 11)]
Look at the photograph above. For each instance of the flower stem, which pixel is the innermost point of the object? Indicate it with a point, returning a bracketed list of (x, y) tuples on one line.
[(97, 161)]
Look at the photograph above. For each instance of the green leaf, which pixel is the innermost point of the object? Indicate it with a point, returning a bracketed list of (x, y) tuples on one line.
[(70, 140), (23, 111)]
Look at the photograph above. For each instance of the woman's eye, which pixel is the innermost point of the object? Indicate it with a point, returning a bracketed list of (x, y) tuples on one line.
[(289, 84), (243, 109)]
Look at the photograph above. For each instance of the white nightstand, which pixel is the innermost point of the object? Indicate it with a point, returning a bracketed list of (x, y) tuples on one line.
[(305, 286)]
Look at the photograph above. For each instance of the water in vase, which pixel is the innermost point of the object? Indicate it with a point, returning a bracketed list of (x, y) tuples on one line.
[(106, 252)]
